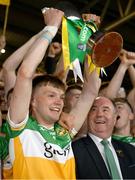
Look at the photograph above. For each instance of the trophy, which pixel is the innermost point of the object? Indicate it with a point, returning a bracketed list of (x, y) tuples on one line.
[(105, 47), (80, 36)]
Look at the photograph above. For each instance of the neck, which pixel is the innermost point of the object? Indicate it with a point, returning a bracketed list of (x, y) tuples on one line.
[(123, 132), (47, 127), (43, 122)]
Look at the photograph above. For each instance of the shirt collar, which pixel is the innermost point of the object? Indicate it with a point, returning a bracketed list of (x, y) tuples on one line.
[(98, 139)]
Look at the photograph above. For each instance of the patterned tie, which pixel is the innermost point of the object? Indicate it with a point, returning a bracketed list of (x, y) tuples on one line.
[(110, 160)]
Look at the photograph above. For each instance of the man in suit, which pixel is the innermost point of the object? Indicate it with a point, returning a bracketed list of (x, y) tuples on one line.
[(89, 153)]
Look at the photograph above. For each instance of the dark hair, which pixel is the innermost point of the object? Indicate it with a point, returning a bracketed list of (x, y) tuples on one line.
[(74, 86), (43, 80), (123, 100)]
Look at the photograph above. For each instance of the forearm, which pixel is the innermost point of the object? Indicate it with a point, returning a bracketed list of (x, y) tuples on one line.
[(11, 64), (89, 93), (59, 71), (116, 81), (131, 98), (131, 71), (81, 110), (13, 61), (34, 57)]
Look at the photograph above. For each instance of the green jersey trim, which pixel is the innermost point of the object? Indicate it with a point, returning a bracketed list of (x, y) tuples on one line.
[(3, 147), (127, 139), (57, 135)]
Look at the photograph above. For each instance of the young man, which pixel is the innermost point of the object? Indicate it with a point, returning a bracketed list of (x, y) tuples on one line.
[(122, 129), (39, 147), (91, 160), (72, 95)]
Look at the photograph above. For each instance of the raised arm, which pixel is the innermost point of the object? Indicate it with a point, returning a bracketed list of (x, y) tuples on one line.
[(54, 52), (59, 71), (13, 61), (131, 69), (116, 81), (131, 99), (20, 101), (89, 93)]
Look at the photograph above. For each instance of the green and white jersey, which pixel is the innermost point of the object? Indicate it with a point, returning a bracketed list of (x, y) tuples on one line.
[(3, 147), (3, 142), (38, 152), (127, 139)]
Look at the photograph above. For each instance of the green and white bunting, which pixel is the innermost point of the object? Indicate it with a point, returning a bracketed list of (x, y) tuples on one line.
[(75, 35)]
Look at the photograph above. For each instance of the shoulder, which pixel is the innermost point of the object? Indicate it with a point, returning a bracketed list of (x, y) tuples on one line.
[(123, 145), (80, 142), (60, 129)]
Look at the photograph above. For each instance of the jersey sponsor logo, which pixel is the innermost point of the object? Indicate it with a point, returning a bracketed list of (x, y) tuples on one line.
[(50, 152)]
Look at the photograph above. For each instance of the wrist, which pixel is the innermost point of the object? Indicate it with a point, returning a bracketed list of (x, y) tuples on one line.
[(47, 36), (52, 29), (123, 66), (73, 132)]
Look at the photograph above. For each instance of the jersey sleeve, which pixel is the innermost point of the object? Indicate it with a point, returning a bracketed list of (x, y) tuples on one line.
[(18, 126)]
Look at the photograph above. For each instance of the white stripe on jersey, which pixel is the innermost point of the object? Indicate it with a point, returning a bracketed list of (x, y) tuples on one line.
[(34, 145)]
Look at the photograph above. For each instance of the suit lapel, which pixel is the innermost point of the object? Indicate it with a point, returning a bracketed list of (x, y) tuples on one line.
[(121, 158), (96, 156)]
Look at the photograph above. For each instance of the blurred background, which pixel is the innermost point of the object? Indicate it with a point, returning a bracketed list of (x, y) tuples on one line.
[(25, 19)]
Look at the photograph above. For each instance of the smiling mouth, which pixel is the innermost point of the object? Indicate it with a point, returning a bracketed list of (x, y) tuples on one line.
[(55, 109), (100, 122)]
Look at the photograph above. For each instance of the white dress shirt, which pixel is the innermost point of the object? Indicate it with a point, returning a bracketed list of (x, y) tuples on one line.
[(100, 147)]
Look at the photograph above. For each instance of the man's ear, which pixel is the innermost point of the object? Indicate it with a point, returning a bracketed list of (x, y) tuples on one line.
[(33, 101)]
